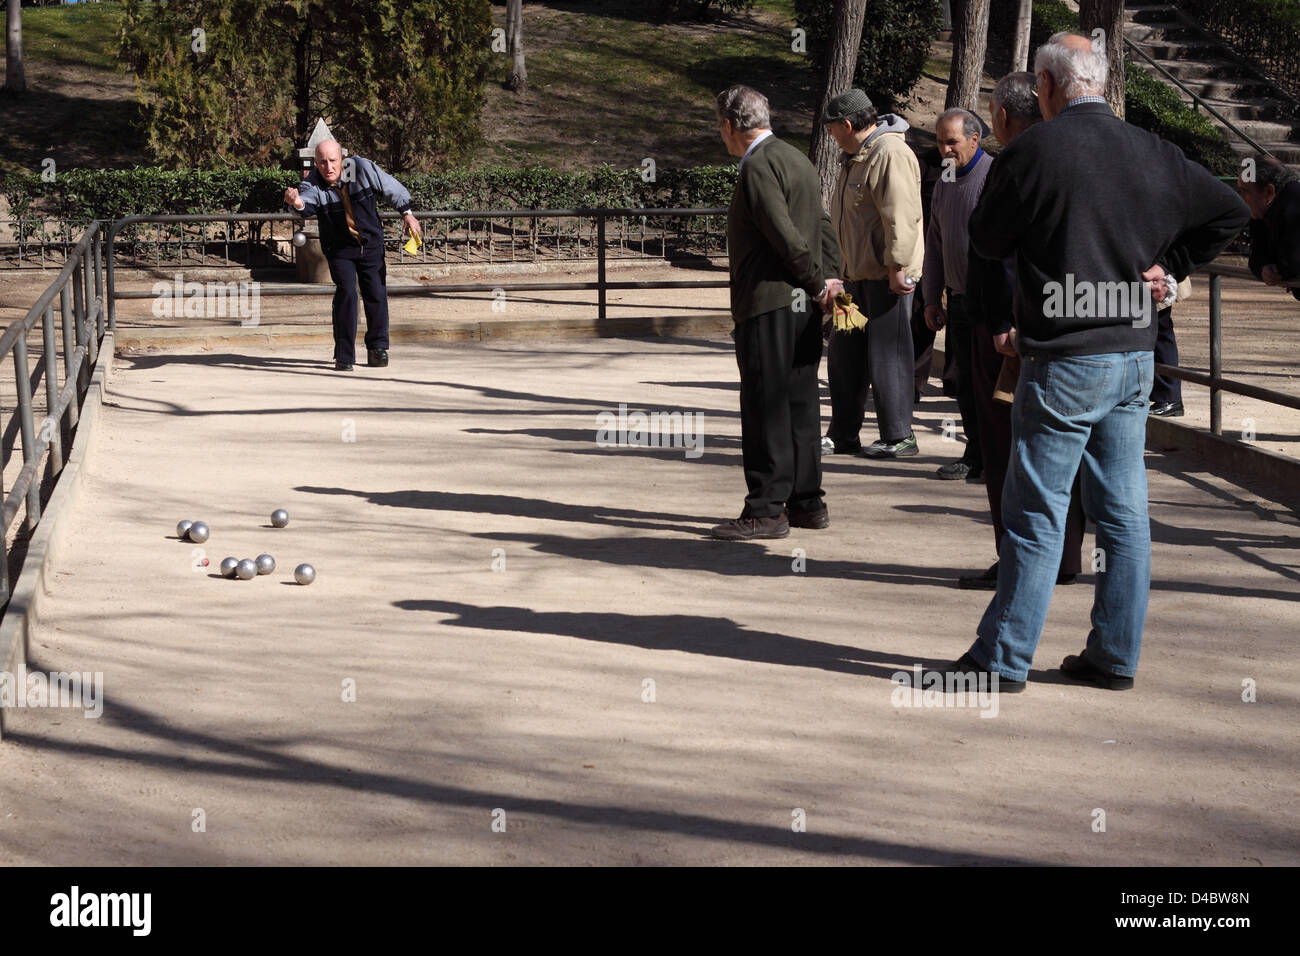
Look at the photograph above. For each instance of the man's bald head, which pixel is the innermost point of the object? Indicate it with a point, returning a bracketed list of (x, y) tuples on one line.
[(329, 160), (1068, 66)]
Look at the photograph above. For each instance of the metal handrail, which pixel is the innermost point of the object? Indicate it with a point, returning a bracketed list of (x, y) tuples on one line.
[(1200, 101), (1215, 380), (602, 285), (80, 288)]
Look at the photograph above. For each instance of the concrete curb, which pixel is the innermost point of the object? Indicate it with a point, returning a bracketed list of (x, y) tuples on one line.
[(451, 331), (1240, 461), (22, 617)]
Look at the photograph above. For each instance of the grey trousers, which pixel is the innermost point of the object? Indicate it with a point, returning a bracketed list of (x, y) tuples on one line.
[(879, 356)]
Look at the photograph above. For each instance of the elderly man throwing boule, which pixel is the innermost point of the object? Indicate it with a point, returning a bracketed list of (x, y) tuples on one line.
[(342, 196)]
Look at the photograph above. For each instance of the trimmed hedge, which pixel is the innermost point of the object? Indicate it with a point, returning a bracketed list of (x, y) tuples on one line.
[(115, 194)]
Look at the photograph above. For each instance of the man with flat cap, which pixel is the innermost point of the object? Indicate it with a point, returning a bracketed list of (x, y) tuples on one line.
[(876, 211)]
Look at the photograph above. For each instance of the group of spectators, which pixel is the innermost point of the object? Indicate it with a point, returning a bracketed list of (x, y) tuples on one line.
[(1053, 269)]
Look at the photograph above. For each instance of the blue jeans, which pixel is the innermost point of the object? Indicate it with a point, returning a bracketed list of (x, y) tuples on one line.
[(1087, 414)]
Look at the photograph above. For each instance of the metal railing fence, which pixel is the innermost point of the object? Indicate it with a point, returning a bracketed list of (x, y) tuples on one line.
[(80, 322), (647, 227), (1215, 381)]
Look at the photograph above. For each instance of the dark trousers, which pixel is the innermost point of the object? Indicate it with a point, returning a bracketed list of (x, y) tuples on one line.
[(1166, 389), (922, 340), (364, 270), (780, 410), (880, 356), (960, 347), (995, 434)]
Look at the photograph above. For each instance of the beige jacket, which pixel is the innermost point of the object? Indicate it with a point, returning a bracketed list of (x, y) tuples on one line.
[(876, 206)]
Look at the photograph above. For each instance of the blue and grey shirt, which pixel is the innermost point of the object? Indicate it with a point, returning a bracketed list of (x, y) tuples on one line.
[(365, 182)]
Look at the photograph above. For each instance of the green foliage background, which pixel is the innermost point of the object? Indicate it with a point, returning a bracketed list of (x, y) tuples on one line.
[(895, 41), (400, 80)]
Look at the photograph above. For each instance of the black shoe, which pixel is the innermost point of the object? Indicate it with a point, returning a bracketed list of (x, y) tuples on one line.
[(975, 477), (954, 470), (746, 529), (1081, 669), (1168, 410), (818, 518), (1064, 578), (988, 581), (342, 366), (829, 447), (967, 664), (377, 358)]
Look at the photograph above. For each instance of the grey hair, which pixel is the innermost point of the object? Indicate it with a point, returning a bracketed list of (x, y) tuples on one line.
[(1015, 94), (1077, 72), (744, 107), (970, 123)]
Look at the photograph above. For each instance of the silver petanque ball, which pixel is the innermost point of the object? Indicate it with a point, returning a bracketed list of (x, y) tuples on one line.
[(300, 238), (279, 518), (265, 564), (228, 566), (246, 569), (304, 574), (198, 532), (183, 528)]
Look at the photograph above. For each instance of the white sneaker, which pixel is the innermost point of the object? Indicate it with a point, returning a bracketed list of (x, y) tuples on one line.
[(828, 446)]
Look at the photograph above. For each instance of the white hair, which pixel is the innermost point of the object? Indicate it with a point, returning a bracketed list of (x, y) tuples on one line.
[(1078, 72)]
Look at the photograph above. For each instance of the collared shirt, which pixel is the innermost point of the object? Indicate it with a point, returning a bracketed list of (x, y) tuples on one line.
[(1086, 98), (757, 139)]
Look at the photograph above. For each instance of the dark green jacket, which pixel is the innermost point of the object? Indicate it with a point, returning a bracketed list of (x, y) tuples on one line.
[(779, 236)]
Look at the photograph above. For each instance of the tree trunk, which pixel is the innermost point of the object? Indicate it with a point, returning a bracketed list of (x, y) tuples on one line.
[(1108, 15), (15, 80), (841, 64), (970, 37), (517, 79), (301, 85), (1020, 49)]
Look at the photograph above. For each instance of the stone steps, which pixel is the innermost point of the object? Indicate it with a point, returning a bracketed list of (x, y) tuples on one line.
[(1206, 67)]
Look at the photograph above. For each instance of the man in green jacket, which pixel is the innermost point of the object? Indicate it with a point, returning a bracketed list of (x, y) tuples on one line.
[(784, 260)]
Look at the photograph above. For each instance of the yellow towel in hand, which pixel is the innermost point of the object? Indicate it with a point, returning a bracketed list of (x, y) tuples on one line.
[(847, 316)]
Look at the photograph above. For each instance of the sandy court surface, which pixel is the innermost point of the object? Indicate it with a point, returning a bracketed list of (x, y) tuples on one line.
[(620, 690)]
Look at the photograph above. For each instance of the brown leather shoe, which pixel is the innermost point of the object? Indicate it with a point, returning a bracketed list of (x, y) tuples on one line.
[(746, 529), (819, 518)]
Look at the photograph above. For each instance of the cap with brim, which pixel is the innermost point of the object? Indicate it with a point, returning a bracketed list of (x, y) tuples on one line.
[(845, 105)]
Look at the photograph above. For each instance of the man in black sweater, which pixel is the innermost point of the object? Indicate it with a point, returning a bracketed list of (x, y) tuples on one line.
[(784, 258), (1101, 217), (1273, 195)]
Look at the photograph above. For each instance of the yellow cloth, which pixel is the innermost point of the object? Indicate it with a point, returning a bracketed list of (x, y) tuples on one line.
[(412, 245), (847, 316)]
